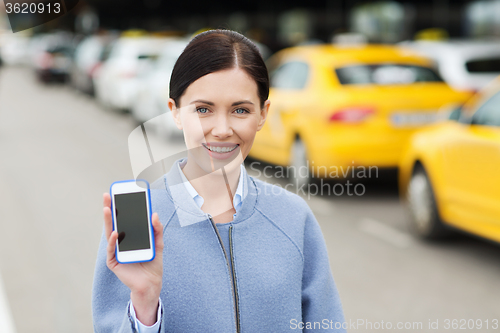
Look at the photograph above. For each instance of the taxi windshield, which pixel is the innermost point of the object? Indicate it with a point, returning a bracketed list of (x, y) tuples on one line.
[(385, 74)]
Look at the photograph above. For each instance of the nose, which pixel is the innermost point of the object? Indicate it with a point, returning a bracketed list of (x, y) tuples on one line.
[(222, 127)]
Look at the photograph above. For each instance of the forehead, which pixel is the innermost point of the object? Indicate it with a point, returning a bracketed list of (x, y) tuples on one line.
[(226, 85)]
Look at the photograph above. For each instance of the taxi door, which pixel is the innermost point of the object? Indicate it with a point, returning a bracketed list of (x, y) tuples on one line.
[(472, 170)]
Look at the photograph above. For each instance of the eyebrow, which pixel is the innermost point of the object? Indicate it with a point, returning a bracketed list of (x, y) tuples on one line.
[(212, 104)]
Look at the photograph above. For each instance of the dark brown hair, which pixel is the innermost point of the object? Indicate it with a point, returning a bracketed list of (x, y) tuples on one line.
[(216, 50)]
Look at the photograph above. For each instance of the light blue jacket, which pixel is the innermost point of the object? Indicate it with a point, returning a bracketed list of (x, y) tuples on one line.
[(279, 281)]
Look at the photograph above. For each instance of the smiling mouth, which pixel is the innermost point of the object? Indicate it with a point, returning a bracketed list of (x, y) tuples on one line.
[(220, 149)]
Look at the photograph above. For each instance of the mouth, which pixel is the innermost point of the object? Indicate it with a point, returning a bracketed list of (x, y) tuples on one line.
[(219, 149)]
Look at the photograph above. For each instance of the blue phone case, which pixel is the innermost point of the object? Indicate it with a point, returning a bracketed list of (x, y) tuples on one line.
[(149, 218)]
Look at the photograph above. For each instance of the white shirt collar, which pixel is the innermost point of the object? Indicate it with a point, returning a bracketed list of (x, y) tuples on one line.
[(237, 199)]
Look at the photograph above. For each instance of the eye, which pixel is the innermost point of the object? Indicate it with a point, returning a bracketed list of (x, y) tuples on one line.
[(241, 111), (202, 110)]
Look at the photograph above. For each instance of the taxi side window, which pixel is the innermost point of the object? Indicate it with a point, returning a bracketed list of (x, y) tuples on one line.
[(489, 113), (291, 75)]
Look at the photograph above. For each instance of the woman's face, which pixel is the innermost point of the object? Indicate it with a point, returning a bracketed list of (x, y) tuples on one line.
[(220, 111)]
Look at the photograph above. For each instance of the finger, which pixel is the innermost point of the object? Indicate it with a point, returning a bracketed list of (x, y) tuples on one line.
[(108, 222), (110, 255), (158, 230), (106, 199)]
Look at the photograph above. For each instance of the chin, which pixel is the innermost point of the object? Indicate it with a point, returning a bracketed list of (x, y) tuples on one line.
[(214, 165)]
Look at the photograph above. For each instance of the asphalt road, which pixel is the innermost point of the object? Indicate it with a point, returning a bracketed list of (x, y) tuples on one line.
[(60, 151)]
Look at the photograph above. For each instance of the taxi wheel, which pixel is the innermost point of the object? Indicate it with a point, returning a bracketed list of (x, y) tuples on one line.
[(300, 174), (424, 216)]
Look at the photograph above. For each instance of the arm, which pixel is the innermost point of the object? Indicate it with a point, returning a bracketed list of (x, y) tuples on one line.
[(110, 298), (320, 298), (140, 327)]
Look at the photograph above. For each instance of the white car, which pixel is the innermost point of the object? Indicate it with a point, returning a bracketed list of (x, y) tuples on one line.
[(115, 82), (88, 56), (14, 48), (463, 64), (153, 90), (40, 43)]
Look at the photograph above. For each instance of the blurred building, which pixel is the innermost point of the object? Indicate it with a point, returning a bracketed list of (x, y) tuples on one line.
[(280, 23), (283, 23)]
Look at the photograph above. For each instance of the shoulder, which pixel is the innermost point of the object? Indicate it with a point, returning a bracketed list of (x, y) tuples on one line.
[(272, 194), (159, 184), (161, 199), (159, 189), (281, 205)]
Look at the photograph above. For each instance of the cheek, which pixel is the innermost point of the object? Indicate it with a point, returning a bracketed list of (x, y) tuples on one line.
[(193, 128), (247, 130)]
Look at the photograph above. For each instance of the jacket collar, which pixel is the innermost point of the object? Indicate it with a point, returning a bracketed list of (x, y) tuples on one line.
[(189, 213)]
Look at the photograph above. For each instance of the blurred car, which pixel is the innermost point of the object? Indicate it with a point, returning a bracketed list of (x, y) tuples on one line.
[(14, 48), (449, 172), (115, 81), (153, 89), (335, 107), (89, 55), (54, 64), (40, 43), (463, 64), (265, 52)]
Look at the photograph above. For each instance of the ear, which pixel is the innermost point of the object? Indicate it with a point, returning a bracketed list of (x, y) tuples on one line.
[(176, 113), (263, 114)]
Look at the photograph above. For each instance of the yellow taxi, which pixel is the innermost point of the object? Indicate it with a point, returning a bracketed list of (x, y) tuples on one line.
[(338, 107), (450, 171)]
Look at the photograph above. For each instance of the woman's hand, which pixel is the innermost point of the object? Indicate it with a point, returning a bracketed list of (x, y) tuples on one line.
[(144, 279)]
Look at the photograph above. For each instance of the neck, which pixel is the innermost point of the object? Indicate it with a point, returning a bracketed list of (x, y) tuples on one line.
[(218, 186)]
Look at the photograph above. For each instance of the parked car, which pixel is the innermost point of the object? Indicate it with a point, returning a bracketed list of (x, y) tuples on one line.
[(265, 52), (153, 90), (14, 48), (40, 43), (51, 55), (335, 107), (54, 64), (115, 81), (463, 64), (449, 173), (89, 55)]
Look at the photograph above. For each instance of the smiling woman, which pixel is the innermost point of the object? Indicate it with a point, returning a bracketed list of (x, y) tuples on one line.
[(239, 256)]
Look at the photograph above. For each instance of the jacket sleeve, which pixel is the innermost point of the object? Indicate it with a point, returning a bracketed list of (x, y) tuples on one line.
[(320, 298), (111, 299)]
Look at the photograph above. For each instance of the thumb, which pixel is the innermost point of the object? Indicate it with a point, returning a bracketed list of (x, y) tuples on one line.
[(158, 231)]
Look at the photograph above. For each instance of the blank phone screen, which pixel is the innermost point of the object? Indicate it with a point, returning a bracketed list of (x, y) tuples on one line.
[(132, 221)]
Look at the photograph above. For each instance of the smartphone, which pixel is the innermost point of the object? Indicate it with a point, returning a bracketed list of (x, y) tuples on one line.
[(131, 213)]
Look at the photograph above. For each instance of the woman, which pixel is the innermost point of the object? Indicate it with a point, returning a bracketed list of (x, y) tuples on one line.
[(234, 254)]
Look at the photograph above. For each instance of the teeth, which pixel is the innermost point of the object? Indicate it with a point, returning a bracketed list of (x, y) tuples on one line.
[(221, 149)]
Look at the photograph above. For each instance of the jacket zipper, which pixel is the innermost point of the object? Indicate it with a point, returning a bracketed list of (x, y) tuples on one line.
[(233, 279)]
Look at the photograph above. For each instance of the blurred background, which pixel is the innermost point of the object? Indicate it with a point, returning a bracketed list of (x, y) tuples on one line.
[(392, 108)]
